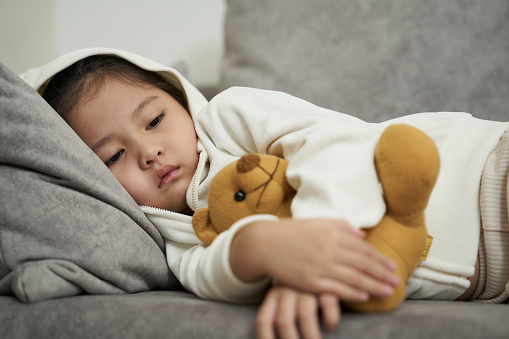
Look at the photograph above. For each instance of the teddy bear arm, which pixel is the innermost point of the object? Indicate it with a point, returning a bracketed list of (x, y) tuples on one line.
[(203, 227)]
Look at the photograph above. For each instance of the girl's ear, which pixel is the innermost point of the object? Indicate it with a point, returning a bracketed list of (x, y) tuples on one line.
[(203, 227)]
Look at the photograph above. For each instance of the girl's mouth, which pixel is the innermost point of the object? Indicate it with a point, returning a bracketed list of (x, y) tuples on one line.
[(167, 174)]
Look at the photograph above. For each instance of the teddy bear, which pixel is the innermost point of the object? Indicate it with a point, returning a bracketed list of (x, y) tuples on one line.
[(407, 163)]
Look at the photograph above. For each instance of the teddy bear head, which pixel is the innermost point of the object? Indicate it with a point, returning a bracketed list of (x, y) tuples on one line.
[(254, 184)]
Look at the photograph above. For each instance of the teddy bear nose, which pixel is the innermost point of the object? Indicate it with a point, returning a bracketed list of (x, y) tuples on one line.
[(247, 163)]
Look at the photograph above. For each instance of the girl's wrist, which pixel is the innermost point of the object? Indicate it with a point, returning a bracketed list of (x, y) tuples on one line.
[(245, 259)]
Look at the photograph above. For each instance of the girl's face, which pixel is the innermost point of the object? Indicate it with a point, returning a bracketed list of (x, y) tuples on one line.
[(145, 137)]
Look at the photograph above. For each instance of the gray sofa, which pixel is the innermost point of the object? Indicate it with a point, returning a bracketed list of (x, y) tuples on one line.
[(78, 259)]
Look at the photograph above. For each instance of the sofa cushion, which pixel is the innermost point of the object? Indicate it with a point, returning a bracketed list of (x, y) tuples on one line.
[(374, 59), (66, 225), (170, 314)]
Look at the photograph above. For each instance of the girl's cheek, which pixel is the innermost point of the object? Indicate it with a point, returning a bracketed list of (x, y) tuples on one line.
[(129, 180)]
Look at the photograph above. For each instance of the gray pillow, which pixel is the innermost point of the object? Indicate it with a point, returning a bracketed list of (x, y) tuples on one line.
[(66, 225), (375, 59)]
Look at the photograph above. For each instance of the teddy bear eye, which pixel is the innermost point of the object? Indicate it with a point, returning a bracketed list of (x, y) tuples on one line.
[(239, 196)]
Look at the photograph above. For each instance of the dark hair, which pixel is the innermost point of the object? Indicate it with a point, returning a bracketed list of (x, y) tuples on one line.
[(85, 77)]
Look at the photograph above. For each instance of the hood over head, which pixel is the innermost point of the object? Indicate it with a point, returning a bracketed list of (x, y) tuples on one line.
[(40, 76)]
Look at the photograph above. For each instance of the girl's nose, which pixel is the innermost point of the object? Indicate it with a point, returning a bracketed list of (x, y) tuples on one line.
[(149, 155)]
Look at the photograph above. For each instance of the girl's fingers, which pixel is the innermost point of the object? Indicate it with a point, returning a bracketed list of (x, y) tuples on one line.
[(307, 316), (266, 315), (331, 311), (293, 314), (341, 290), (286, 318), (365, 250), (363, 269), (354, 285)]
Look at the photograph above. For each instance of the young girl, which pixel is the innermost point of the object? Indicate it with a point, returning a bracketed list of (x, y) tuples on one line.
[(164, 143)]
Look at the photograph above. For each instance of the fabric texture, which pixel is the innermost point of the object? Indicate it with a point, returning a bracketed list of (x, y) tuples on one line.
[(374, 59), (67, 226), (169, 314), (493, 284)]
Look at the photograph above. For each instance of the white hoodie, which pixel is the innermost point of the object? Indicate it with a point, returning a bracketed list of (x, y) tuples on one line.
[(331, 167)]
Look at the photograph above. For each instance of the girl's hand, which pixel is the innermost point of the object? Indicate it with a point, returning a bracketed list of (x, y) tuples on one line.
[(288, 313), (316, 255)]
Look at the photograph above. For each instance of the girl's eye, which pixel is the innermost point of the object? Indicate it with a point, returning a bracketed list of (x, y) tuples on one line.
[(114, 158), (154, 123)]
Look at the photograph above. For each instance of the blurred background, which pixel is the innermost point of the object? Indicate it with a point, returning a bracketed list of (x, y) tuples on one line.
[(184, 32)]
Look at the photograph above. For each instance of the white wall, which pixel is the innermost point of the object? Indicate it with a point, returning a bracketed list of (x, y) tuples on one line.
[(27, 33), (167, 31)]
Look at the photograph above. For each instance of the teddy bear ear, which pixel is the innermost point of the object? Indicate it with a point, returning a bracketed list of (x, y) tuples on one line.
[(203, 227)]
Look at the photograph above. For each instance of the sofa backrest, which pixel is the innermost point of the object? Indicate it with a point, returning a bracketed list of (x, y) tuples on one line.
[(375, 59)]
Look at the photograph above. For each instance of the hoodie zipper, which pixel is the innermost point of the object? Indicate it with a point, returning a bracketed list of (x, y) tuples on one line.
[(196, 181)]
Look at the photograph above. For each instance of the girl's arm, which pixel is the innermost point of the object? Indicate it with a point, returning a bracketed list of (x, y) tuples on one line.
[(313, 255)]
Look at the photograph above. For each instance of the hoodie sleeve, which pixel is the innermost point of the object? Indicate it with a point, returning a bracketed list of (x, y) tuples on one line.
[(205, 271), (330, 154)]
